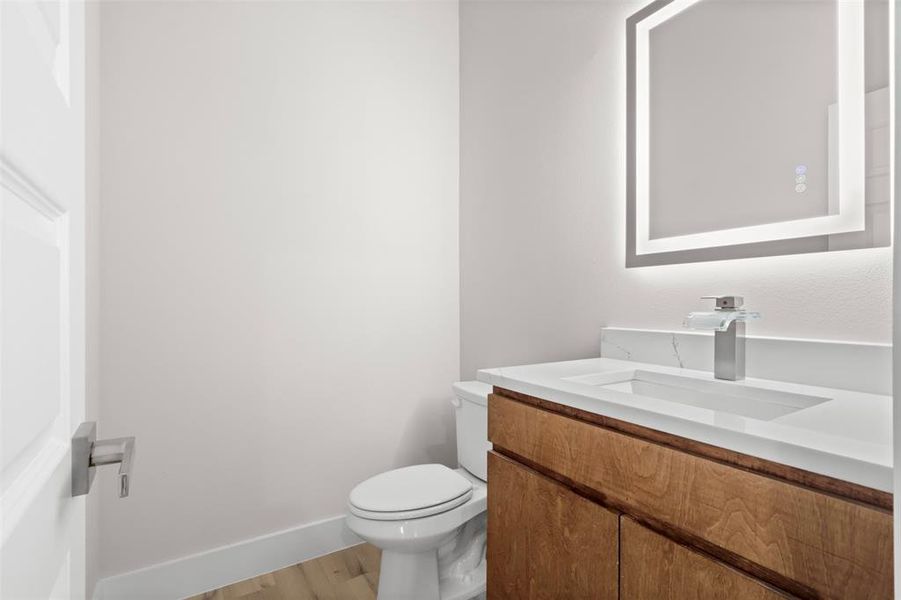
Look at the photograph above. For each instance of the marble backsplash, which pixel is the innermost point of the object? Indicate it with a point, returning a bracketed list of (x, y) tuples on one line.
[(844, 365)]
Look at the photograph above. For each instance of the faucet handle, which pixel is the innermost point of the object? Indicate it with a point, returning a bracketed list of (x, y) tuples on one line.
[(726, 302)]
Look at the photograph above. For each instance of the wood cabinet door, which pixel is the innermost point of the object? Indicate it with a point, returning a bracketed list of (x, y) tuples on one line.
[(545, 541), (655, 567)]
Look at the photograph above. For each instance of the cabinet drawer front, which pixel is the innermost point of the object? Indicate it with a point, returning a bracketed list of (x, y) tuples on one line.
[(546, 542), (656, 567), (832, 547)]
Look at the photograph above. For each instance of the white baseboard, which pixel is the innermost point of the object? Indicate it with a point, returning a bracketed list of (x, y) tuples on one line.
[(222, 566)]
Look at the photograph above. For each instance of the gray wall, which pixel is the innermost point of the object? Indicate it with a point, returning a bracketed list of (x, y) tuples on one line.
[(542, 208), (279, 274)]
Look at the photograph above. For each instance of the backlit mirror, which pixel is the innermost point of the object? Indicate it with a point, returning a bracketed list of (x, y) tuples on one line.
[(757, 127)]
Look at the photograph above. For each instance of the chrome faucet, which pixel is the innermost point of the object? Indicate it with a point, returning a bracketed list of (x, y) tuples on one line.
[(728, 323)]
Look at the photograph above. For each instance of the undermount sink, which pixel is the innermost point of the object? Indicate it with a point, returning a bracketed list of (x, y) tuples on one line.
[(738, 399)]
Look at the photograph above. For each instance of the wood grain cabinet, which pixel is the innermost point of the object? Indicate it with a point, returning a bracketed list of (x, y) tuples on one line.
[(583, 506), (547, 542), (654, 566)]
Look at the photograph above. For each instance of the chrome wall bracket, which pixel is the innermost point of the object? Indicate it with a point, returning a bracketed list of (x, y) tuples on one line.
[(88, 453)]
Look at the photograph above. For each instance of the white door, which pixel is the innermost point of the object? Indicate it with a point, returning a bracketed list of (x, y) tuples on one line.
[(42, 528)]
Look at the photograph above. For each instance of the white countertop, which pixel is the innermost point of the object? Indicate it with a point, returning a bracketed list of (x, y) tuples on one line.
[(848, 437)]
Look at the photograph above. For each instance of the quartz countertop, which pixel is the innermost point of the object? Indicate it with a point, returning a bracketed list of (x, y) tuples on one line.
[(848, 437)]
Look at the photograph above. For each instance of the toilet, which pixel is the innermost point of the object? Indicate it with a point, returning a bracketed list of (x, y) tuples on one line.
[(429, 520)]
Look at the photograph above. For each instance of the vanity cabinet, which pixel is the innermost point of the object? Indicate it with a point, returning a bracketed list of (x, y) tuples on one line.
[(584, 506), (654, 566), (549, 542)]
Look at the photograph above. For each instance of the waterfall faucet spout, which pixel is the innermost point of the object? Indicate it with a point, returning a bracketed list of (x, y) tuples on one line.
[(728, 323)]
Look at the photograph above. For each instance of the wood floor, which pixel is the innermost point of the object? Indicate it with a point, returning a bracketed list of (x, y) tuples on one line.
[(350, 574)]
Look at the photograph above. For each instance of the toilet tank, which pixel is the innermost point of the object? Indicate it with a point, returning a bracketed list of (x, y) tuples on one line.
[(471, 407)]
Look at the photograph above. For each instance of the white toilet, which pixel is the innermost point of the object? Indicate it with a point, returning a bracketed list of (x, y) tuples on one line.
[(429, 520)]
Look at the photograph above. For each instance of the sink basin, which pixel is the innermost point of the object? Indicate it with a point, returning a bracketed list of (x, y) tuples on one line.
[(737, 399)]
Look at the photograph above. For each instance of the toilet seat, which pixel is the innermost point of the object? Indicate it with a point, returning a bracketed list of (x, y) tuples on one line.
[(410, 493), (410, 534)]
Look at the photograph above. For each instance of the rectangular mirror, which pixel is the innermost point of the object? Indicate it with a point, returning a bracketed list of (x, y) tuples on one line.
[(757, 127)]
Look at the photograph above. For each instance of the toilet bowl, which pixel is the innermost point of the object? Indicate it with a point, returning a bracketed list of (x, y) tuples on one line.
[(429, 520)]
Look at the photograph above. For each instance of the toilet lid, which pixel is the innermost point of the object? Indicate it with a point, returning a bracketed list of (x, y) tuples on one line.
[(410, 493)]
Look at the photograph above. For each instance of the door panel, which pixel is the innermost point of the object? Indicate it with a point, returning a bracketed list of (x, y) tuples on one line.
[(31, 361), (656, 567), (42, 528), (545, 541)]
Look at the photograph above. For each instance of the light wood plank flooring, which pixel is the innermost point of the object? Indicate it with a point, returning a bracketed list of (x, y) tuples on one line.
[(350, 574)]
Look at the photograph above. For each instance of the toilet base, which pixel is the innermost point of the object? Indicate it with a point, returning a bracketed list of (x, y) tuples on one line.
[(455, 571), (472, 588), (415, 577), (409, 576)]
